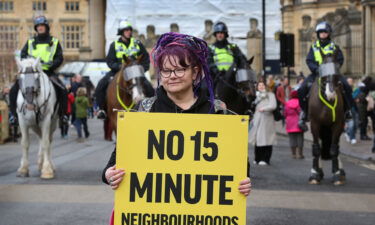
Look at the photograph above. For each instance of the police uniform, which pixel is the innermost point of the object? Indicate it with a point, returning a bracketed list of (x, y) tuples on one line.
[(49, 50), (313, 60)]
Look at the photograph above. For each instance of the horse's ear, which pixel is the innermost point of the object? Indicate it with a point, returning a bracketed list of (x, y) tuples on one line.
[(37, 65), (250, 61), (139, 59)]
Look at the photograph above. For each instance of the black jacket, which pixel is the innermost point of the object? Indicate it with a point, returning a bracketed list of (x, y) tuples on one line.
[(57, 59), (165, 105), (115, 64), (314, 65), (239, 58)]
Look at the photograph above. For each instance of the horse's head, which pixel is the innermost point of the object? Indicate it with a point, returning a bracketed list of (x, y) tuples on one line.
[(134, 76), (329, 74), (30, 71), (246, 79)]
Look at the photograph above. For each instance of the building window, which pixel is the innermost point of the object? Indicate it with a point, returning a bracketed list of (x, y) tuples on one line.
[(72, 36), (8, 37), (39, 5), (72, 6), (6, 6)]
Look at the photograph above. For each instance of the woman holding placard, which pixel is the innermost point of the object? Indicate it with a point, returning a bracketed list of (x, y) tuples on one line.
[(181, 62)]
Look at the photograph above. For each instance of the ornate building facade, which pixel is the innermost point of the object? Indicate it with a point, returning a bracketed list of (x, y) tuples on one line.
[(78, 24), (353, 30)]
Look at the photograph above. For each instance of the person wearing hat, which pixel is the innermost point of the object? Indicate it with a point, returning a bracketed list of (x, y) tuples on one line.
[(125, 45), (313, 60), (222, 53), (48, 49)]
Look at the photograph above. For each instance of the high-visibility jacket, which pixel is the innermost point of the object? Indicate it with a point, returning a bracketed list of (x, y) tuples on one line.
[(328, 49), (45, 51), (132, 50), (223, 57)]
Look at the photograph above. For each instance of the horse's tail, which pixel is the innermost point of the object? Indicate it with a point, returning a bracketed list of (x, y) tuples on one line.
[(326, 137)]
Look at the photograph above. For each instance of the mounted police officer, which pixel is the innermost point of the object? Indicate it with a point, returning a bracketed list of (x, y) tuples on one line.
[(223, 54), (314, 59), (125, 45), (49, 50)]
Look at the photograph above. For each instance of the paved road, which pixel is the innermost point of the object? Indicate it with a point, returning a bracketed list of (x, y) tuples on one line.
[(281, 194)]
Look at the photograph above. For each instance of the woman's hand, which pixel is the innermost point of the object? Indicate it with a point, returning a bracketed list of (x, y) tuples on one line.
[(114, 176), (245, 186)]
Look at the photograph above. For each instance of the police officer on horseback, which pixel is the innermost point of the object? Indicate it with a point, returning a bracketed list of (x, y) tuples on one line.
[(222, 53), (125, 45), (49, 50), (314, 59)]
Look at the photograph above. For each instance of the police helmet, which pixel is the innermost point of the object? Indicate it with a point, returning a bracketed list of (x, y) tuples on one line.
[(124, 25), (41, 20), (220, 27), (323, 26)]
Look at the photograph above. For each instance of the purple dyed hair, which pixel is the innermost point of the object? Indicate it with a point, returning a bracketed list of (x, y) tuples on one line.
[(187, 49)]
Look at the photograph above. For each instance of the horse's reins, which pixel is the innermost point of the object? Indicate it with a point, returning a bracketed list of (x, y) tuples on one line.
[(37, 109), (329, 105), (240, 92), (127, 108)]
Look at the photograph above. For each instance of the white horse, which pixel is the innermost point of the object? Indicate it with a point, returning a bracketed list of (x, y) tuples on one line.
[(36, 109)]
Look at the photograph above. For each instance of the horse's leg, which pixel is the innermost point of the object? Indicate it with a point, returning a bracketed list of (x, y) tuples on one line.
[(23, 170), (47, 170), (316, 171), (40, 155), (338, 173)]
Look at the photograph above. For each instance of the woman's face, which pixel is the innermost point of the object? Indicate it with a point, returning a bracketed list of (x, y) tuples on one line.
[(175, 78), (261, 86)]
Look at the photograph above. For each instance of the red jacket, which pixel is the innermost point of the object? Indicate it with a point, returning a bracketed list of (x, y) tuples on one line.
[(70, 103), (291, 114)]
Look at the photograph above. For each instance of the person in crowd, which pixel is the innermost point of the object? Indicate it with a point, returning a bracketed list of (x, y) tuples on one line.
[(262, 128), (314, 59), (81, 105), (222, 53), (64, 127), (131, 48), (351, 125), (360, 95), (49, 51), (181, 64), (291, 114), (283, 91), (270, 83)]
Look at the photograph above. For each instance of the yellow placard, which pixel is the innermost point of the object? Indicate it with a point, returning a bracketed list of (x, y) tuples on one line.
[(181, 169)]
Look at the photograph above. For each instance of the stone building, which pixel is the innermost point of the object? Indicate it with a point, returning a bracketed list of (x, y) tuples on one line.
[(353, 30), (78, 24)]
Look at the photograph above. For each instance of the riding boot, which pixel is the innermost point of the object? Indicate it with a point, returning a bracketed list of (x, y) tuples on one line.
[(13, 93), (100, 94)]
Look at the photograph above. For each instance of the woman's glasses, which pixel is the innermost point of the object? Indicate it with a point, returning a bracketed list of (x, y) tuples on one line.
[(178, 72)]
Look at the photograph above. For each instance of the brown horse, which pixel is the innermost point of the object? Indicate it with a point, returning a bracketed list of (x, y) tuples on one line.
[(327, 119), (127, 88)]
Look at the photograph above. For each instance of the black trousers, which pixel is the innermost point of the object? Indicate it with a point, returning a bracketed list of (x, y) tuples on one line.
[(263, 153), (304, 89)]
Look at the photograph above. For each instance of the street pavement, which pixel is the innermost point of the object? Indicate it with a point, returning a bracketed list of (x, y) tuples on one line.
[(281, 194)]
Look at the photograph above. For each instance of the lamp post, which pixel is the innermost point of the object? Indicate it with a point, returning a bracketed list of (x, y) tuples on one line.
[(264, 38)]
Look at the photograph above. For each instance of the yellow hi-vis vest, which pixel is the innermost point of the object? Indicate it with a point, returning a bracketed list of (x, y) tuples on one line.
[(44, 51), (328, 49), (132, 50), (223, 57)]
